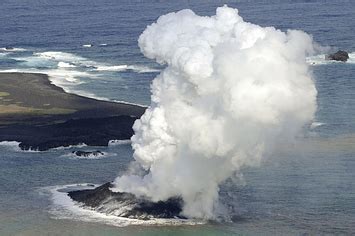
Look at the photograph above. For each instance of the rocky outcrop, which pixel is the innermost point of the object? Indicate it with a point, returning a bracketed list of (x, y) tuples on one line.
[(127, 205), (338, 56), (88, 154)]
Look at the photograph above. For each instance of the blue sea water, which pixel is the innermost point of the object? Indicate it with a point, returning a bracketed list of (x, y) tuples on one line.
[(306, 189)]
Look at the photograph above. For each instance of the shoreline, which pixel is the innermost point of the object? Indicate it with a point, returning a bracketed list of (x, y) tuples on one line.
[(66, 90), (41, 115)]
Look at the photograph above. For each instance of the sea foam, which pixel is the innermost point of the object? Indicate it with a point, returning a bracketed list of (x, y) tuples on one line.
[(13, 49)]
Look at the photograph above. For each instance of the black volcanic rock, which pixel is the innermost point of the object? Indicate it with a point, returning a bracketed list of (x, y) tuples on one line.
[(87, 154), (338, 56), (91, 131), (127, 205)]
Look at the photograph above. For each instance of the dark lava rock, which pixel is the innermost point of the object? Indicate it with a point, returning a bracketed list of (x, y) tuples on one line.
[(338, 56), (91, 131), (87, 154), (127, 205)]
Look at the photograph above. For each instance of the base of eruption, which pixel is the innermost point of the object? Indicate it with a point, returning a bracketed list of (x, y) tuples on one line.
[(102, 199)]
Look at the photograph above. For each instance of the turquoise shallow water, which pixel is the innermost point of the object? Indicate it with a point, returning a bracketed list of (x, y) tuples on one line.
[(305, 188)]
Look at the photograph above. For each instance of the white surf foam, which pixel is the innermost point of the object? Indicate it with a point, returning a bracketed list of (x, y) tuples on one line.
[(67, 80), (129, 103), (86, 94), (87, 45), (351, 58), (3, 54), (67, 58), (142, 69), (56, 76), (64, 207), (13, 49), (67, 70), (119, 142), (135, 68), (62, 64), (80, 145), (112, 68), (13, 145), (78, 61), (35, 62), (64, 60), (62, 77), (60, 56)]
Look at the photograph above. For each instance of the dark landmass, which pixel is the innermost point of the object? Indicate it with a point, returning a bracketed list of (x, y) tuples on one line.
[(41, 115), (127, 205), (338, 56), (87, 154)]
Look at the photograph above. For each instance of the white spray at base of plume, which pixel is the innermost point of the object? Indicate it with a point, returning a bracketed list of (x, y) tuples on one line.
[(230, 91)]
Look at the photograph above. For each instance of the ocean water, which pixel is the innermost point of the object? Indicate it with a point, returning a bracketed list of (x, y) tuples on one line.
[(90, 48)]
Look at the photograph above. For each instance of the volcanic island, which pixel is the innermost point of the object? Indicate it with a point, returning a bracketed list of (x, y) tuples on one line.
[(41, 116)]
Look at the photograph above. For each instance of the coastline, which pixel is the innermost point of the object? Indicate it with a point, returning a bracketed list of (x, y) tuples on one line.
[(41, 115)]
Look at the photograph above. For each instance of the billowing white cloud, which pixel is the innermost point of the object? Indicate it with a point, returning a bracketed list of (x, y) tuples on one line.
[(229, 92)]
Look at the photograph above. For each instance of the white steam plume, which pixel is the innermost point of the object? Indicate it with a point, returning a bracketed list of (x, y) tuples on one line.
[(230, 90)]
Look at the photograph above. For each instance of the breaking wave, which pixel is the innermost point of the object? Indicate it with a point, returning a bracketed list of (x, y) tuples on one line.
[(65, 65), (80, 145), (10, 49), (15, 146), (57, 59), (112, 68), (60, 56), (71, 60), (73, 73), (135, 68)]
